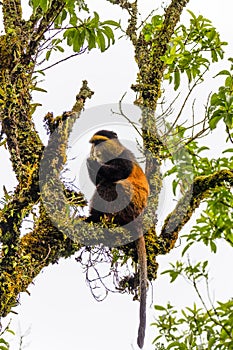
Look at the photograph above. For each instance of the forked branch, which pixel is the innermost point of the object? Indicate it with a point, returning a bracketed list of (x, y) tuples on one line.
[(186, 206)]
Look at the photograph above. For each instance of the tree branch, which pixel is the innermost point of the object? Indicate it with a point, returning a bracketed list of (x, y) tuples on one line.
[(186, 206), (38, 25), (132, 10), (23, 258), (12, 14), (148, 56)]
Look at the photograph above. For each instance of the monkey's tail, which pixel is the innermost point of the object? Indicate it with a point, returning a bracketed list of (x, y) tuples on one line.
[(141, 250)]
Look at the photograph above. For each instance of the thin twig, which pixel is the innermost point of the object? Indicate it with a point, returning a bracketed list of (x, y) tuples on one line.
[(125, 116), (166, 112), (64, 59), (198, 81), (229, 134), (218, 323), (145, 20), (48, 40)]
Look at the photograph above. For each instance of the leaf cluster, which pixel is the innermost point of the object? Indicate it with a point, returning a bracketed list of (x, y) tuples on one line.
[(150, 29), (194, 328), (221, 103), (191, 49), (90, 30), (44, 5), (4, 344), (191, 272), (215, 222), (68, 27), (185, 159)]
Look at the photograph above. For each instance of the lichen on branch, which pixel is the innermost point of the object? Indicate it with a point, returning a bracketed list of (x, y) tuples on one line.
[(199, 190), (22, 258)]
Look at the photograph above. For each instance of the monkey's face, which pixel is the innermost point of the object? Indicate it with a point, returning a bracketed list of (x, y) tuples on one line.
[(105, 150)]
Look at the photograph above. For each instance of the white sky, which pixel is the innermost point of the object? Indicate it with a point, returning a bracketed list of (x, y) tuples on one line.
[(61, 313)]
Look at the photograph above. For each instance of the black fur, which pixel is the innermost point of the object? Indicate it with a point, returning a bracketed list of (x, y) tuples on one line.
[(106, 133), (110, 198), (115, 169)]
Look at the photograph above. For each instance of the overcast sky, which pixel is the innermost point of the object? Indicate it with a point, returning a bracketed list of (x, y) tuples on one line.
[(61, 313)]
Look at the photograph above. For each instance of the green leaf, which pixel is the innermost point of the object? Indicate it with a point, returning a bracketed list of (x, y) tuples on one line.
[(109, 33), (178, 345), (173, 274), (60, 18), (111, 23), (44, 4), (176, 79), (91, 39), (39, 89), (100, 40), (41, 72), (186, 248), (73, 20), (229, 238), (203, 148), (78, 39), (60, 48), (205, 263), (214, 99), (217, 116), (211, 342), (192, 14), (160, 308), (69, 34), (228, 150), (228, 119), (157, 21), (213, 247), (35, 4), (191, 50), (223, 72), (96, 19), (34, 106), (174, 186), (171, 171), (48, 54)]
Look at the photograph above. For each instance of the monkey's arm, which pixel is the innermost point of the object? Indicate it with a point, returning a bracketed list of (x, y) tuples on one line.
[(112, 171)]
